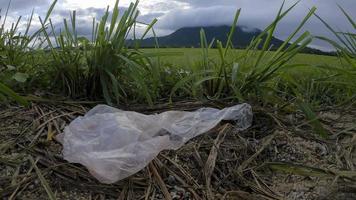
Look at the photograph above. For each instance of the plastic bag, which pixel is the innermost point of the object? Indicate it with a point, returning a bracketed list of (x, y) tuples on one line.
[(114, 144)]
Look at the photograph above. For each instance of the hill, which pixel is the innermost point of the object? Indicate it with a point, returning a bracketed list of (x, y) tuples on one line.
[(190, 37)]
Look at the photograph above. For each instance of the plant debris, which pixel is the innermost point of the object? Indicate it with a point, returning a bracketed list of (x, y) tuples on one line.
[(267, 161)]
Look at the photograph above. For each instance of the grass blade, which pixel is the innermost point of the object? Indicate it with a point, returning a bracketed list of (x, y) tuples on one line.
[(313, 119), (49, 12), (43, 181), (8, 92)]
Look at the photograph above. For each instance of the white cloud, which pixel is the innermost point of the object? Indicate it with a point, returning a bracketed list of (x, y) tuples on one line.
[(174, 14), (206, 16), (18, 5)]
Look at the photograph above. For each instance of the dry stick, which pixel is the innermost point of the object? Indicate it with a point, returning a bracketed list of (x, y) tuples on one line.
[(56, 126), (149, 188), (183, 105), (240, 169), (43, 100), (153, 194), (123, 192), (303, 170), (8, 190), (179, 179), (15, 175), (148, 191), (197, 157), (210, 163), (13, 195), (53, 118), (160, 182), (130, 190), (79, 172), (199, 160), (266, 142), (39, 110), (39, 133), (43, 181), (266, 189), (184, 184), (186, 175), (44, 115), (238, 194), (349, 153)]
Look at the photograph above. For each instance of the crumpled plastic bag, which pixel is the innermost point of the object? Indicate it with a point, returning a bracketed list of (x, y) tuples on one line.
[(114, 144)]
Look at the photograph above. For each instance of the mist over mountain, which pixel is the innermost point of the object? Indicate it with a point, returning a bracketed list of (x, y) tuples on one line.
[(190, 37)]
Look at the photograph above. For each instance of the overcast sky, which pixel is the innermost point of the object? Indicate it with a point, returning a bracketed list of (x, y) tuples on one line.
[(174, 14)]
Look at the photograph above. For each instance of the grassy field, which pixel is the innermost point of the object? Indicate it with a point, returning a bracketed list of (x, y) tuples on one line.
[(104, 68), (187, 56)]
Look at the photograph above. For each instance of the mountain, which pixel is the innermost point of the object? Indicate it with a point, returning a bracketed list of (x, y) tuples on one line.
[(190, 37)]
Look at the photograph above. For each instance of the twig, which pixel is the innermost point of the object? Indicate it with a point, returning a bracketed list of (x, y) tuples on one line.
[(179, 179), (266, 142), (160, 182), (210, 163), (13, 195), (43, 181)]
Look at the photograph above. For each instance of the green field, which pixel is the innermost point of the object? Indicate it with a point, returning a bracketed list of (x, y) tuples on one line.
[(187, 56), (309, 65)]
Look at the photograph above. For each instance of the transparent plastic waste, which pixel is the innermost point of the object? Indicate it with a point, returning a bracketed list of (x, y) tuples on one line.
[(114, 144)]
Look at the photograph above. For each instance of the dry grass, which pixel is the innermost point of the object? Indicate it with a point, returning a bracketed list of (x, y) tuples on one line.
[(277, 158)]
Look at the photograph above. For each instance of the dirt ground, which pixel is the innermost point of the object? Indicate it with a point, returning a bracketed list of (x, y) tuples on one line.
[(279, 157)]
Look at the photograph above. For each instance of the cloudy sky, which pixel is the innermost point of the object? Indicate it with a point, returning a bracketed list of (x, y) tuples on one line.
[(174, 14)]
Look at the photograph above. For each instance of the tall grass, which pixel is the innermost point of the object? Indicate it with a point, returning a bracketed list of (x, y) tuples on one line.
[(104, 67), (67, 65), (249, 74), (110, 60), (346, 48), (14, 54)]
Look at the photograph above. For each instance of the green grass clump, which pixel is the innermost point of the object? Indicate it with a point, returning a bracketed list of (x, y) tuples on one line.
[(249, 75), (14, 56), (345, 75), (105, 68)]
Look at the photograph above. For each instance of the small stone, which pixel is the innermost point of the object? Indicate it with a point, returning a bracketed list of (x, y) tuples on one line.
[(321, 149), (31, 187), (171, 180), (187, 195), (179, 189)]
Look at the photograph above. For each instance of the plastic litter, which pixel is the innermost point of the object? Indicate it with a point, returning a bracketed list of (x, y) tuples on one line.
[(114, 144)]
